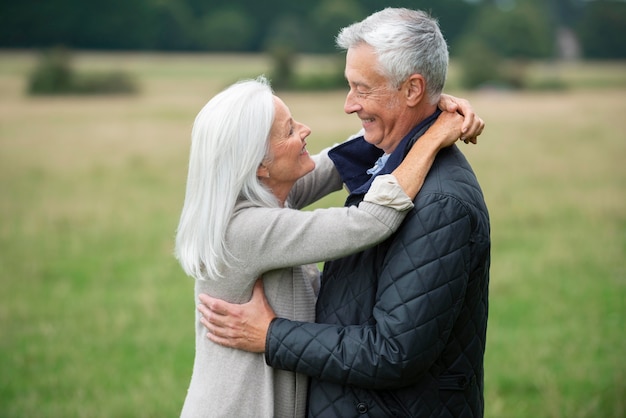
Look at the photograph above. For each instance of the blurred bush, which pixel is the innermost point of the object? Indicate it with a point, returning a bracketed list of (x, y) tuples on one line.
[(54, 74), (283, 63), (501, 43), (480, 64)]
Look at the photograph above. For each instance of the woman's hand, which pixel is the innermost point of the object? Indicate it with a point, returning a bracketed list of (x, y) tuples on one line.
[(446, 130), (238, 326), (472, 125)]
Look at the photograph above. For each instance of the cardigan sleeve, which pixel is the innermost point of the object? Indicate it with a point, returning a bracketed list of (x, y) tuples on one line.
[(281, 237)]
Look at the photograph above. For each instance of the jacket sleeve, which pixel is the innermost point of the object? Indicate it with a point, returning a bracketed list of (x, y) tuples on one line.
[(419, 295)]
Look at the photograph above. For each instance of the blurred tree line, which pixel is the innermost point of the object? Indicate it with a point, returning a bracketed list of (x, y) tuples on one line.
[(493, 39), (529, 28)]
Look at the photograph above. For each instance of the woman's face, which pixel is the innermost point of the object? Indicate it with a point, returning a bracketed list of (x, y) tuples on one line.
[(289, 159)]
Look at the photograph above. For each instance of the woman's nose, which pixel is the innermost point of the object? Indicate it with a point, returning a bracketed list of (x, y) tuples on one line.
[(306, 131)]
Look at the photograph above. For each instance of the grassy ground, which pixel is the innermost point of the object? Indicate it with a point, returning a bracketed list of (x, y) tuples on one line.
[(96, 316)]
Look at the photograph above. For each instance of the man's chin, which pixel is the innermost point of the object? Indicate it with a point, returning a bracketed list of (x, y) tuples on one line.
[(371, 139)]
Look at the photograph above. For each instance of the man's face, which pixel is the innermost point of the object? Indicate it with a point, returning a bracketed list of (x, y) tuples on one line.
[(379, 106)]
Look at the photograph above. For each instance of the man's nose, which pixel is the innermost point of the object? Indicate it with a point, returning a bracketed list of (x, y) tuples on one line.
[(350, 105)]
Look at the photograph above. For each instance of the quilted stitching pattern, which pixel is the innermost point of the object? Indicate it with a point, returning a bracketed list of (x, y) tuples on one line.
[(402, 326)]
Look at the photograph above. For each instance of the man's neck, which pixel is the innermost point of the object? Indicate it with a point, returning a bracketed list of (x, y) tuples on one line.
[(411, 120)]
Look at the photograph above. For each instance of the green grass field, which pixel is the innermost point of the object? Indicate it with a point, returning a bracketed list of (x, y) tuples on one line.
[(96, 317)]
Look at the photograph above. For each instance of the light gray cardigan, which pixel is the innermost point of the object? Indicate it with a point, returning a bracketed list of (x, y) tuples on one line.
[(281, 244)]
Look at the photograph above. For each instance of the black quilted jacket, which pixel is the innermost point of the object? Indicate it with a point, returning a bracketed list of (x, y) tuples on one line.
[(401, 327)]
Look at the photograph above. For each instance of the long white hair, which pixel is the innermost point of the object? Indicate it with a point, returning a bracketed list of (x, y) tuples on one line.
[(229, 139), (406, 42)]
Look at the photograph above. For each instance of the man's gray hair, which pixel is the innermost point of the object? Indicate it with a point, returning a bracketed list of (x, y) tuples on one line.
[(406, 42)]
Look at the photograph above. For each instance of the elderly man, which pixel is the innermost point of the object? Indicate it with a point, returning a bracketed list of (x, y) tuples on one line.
[(401, 327)]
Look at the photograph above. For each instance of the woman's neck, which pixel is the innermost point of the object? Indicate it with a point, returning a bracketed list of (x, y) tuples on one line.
[(279, 190)]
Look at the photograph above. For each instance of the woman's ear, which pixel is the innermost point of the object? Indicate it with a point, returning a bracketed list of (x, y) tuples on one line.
[(415, 89), (263, 172)]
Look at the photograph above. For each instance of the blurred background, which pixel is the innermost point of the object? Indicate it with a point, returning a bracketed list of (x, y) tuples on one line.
[(97, 100), (505, 33)]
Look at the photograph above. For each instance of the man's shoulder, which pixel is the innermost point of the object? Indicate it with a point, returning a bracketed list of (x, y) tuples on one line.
[(450, 178), (450, 173)]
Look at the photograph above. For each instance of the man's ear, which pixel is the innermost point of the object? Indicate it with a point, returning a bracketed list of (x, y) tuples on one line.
[(415, 89)]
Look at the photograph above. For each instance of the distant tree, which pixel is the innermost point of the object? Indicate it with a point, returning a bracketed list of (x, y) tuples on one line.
[(480, 64), (173, 26), (506, 35), (229, 29), (283, 42), (114, 24), (289, 30), (32, 23), (602, 30), (523, 30), (329, 16), (53, 73), (567, 12)]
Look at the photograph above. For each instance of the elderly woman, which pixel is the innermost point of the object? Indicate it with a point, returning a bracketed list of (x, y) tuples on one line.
[(249, 172)]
